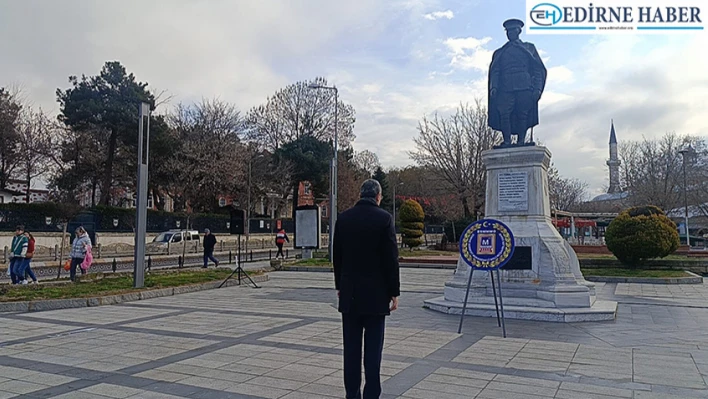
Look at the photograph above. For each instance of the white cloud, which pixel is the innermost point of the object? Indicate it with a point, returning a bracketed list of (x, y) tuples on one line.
[(244, 51), (461, 45), (371, 88), (560, 75), (544, 55), (387, 121), (638, 82), (439, 15), (469, 53), (224, 49)]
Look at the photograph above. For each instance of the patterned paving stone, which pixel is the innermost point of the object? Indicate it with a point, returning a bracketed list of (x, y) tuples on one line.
[(284, 341)]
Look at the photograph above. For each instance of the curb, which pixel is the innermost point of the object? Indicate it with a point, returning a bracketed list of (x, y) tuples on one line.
[(401, 265), (443, 261), (694, 279), (70, 303), (446, 266), (306, 269)]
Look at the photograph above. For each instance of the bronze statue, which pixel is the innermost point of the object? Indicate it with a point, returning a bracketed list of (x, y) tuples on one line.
[(517, 78)]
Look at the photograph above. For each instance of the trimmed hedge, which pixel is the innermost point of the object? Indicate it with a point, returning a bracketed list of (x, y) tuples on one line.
[(641, 233), (412, 217), (34, 217)]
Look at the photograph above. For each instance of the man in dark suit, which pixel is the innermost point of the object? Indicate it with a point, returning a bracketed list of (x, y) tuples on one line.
[(368, 285)]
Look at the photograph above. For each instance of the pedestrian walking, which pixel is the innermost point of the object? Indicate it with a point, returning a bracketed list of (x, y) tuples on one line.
[(367, 280), (82, 243), (209, 244), (280, 239), (18, 251), (26, 267)]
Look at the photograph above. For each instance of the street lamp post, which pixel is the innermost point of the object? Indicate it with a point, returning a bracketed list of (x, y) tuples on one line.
[(333, 169), (684, 153)]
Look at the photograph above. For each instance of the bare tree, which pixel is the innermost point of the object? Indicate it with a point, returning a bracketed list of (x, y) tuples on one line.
[(351, 175), (278, 180), (565, 194), (366, 161), (651, 170), (425, 186), (34, 143), (452, 148), (298, 110), (10, 109), (211, 160)]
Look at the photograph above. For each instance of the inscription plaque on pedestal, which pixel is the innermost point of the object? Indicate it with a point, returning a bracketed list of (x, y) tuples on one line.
[(513, 191)]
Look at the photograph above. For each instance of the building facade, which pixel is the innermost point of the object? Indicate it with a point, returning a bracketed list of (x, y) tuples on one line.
[(16, 191)]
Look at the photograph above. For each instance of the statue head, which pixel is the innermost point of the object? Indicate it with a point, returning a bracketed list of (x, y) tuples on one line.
[(513, 28)]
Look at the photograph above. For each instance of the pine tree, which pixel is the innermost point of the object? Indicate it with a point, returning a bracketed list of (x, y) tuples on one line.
[(386, 201)]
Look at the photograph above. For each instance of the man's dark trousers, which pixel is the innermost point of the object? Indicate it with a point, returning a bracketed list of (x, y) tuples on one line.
[(372, 328)]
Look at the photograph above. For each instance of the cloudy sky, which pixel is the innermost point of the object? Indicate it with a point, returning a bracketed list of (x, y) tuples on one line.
[(393, 60)]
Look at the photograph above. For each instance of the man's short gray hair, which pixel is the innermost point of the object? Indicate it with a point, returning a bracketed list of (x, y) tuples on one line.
[(370, 189)]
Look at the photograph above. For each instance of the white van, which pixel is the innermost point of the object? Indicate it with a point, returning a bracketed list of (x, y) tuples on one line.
[(174, 238)]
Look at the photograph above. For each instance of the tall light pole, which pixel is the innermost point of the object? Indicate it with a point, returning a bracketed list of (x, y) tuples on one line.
[(684, 154), (332, 169), (142, 193)]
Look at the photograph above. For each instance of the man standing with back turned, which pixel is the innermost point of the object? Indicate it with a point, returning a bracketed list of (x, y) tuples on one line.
[(368, 285)]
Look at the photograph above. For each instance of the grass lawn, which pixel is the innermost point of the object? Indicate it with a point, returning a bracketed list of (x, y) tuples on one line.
[(407, 253), (616, 272), (314, 262), (110, 285), (607, 256)]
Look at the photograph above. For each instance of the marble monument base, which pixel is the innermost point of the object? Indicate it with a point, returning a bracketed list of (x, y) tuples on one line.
[(547, 283)]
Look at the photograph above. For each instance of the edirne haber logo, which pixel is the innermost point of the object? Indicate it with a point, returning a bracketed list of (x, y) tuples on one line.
[(614, 17)]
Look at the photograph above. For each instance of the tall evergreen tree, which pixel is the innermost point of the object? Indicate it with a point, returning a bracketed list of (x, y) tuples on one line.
[(387, 200), (105, 107)]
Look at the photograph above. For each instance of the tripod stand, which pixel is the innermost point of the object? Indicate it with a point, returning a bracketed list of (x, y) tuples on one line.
[(239, 270)]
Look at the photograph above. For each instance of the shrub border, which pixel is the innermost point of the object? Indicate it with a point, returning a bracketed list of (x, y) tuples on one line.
[(694, 279), (70, 303)]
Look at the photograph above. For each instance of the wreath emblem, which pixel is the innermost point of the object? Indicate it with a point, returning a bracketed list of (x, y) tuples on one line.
[(483, 258)]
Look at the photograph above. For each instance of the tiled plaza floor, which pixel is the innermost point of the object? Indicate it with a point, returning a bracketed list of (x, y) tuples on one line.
[(284, 341)]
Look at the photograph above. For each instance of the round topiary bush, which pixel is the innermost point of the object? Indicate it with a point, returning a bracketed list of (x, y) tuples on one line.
[(641, 233), (412, 216)]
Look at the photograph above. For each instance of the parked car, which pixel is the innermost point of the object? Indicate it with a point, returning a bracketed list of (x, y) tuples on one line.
[(173, 238)]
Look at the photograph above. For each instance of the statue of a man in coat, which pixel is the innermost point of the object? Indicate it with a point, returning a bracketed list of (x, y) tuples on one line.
[(517, 78)]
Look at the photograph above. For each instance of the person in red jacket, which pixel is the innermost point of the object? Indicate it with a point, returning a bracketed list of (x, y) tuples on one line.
[(280, 239)]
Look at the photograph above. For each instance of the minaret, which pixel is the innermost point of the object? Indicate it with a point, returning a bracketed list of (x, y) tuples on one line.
[(613, 163)]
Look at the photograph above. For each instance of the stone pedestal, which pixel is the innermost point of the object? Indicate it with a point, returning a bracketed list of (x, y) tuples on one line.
[(550, 287)]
